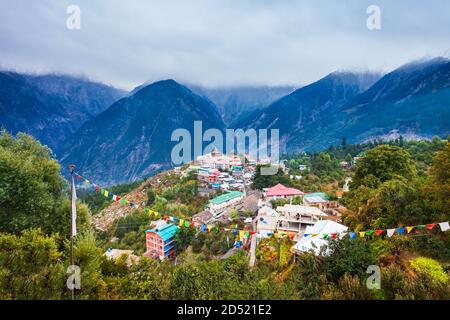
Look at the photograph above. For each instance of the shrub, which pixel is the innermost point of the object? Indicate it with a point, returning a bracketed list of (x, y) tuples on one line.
[(431, 268)]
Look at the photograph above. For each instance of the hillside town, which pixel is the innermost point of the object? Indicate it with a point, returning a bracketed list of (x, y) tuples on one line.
[(227, 181)]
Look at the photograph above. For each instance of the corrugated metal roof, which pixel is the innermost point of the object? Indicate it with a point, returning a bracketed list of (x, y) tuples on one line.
[(165, 232), (226, 197)]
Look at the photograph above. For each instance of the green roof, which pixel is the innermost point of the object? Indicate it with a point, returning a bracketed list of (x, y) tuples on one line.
[(226, 197), (165, 232)]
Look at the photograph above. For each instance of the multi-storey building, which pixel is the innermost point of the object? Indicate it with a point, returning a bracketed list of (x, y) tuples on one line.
[(160, 241)]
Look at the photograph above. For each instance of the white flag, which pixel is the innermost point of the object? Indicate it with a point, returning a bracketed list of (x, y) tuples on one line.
[(390, 232), (74, 208), (444, 226)]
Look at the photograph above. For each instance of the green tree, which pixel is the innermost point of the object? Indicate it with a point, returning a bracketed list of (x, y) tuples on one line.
[(31, 188), (184, 237), (381, 164), (347, 256), (30, 266), (150, 196)]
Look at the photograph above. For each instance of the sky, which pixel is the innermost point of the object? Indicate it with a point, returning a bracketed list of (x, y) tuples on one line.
[(218, 42)]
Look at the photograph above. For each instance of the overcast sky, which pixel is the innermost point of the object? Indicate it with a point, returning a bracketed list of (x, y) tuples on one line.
[(218, 42)]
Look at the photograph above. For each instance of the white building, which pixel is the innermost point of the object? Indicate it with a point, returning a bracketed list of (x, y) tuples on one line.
[(216, 160), (225, 201), (313, 240), (294, 219), (266, 221)]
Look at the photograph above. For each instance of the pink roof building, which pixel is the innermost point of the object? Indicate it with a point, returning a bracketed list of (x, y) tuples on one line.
[(280, 191)]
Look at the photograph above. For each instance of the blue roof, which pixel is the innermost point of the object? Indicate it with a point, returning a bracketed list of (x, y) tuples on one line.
[(165, 232), (316, 194)]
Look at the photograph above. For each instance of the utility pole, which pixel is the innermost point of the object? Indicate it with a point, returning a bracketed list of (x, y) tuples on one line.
[(72, 168)]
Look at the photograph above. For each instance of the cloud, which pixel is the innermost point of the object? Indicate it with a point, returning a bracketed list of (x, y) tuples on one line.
[(220, 42)]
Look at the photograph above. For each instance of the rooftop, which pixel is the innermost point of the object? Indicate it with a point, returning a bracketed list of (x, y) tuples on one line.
[(165, 232), (316, 194), (299, 209), (280, 190), (226, 197)]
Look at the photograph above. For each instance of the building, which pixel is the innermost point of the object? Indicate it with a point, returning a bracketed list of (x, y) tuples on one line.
[(266, 222), (225, 201), (317, 199), (345, 165), (202, 218), (313, 240), (115, 254), (251, 202), (281, 192), (160, 241), (294, 219), (216, 160)]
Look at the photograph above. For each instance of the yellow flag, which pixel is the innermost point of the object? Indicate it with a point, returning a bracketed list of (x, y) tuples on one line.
[(314, 234), (209, 227), (181, 222), (86, 182), (106, 193), (408, 229), (361, 234), (241, 234)]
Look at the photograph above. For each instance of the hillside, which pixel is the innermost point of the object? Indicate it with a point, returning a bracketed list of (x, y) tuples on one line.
[(237, 102), (309, 104), (51, 107), (132, 138)]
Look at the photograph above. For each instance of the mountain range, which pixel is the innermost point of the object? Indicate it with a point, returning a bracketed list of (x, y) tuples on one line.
[(51, 107), (114, 136), (413, 100), (238, 102), (132, 138)]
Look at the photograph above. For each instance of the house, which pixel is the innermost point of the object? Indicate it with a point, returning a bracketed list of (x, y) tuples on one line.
[(221, 203), (251, 202), (114, 254), (160, 241), (344, 164), (281, 192), (294, 219), (317, 199), (266, 222), (313, 239), (202, 217), (216, 160)]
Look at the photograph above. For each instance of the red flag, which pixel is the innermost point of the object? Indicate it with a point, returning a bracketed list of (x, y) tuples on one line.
[(379, 232), (430, 226), (79, 178), (118, 198), (191, 224), (165, 217), (292, 236), (333, 235), (98, 189), (252, 232)]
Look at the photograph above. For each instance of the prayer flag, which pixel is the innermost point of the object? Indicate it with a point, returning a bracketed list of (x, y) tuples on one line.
[(390, 232), (444, 226)]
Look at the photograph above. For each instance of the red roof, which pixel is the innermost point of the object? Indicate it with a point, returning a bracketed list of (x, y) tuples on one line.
[(280, 190)]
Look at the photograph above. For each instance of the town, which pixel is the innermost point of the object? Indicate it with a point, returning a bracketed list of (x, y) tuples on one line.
[(278, 210)]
